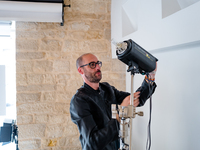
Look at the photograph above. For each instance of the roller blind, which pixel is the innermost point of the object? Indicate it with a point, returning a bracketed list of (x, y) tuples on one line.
[(31, 11)]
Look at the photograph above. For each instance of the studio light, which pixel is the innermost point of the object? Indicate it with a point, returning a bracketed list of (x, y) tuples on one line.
[(136, 57)]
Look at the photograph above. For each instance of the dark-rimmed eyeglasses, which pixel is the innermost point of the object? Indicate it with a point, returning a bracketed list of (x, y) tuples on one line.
[(93, 64)]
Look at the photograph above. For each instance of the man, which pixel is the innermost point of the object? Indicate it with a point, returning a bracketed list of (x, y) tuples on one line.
[(90, 107)]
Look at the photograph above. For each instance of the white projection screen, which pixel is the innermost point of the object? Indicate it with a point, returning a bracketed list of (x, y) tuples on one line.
[(2, 91)]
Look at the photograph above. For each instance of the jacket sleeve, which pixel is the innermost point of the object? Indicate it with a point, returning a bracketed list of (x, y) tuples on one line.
[(119, 95), (146, 90), (91, 137)]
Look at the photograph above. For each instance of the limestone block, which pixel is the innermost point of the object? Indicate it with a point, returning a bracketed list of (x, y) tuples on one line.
[(80, 25), (69, 121), (21, 79), (77, 35), (24, 119), (36, 108), (72, 46), (29, 55), (60, 88), (27, 45), (102, 0), (72, 16), (109, 7), (97, 25), (49, 143), (57, 119), (73, 85), (104, 56), (106, 66), (26, 26), (54, 131), (28, 34), (48, 97), (35, 78), (61, 66), (76, 148), (43, 66), (70, 130), (50, 45), (72, 148), (76, 76), (107, 24), (65, 141), (44, 26), (41, 119), (100, 7), (53, 34), (117, 76), (64, 97), (36, 88), (49, 79), (62, 148), (72, 57), (107, 34), (49, 26), (94, 46), (28, 97), (83, 6), (105, 76), (53, 55), (120, 84), (108, 17), (75, 141), (101, 16), (31, 131), (49, 148), (88, 16), (94, 34), (29, 144), (24, 66), (62, 78), (62, 108), (118, 66)]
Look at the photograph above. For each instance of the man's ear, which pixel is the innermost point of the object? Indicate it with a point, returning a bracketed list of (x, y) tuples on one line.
[(80, 70)]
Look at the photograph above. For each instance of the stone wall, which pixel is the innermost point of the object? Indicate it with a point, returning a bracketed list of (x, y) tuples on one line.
[(46, 73)]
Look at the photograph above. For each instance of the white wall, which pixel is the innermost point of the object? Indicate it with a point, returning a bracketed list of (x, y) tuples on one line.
[(175, 41), (149, 29), (176, 104)]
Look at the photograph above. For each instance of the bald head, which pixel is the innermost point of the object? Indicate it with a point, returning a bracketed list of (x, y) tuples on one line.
[(80, 60)]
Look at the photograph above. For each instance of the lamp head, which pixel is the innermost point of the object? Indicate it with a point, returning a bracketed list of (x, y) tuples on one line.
[(135, 57)]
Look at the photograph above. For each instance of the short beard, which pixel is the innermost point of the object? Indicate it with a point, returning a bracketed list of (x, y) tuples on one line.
[(91, 77)]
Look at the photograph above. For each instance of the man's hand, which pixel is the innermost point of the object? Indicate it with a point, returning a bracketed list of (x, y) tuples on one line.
[(153, 73), (136, 101)]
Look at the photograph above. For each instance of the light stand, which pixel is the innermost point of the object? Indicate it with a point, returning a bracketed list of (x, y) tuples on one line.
[(127, 112), (139, 61)]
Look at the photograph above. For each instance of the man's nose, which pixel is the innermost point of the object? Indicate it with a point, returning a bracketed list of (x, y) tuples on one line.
[(98, 67)]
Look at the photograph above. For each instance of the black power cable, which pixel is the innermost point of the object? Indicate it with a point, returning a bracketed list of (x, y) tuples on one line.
[(148, 144)]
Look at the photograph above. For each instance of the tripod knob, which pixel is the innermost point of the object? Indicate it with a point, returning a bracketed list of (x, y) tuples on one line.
[(140, 113)]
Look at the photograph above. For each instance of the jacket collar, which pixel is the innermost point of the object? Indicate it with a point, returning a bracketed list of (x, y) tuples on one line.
[(90, 89)]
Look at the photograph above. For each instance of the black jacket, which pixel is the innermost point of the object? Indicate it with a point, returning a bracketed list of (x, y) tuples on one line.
[(91, 111)]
